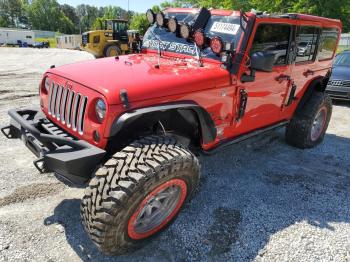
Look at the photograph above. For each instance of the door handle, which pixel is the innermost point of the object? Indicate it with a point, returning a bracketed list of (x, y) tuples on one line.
[(282, 77), (308, 73)]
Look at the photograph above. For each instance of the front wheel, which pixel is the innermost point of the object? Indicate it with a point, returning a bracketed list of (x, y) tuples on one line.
[(309, 125), (138, 192), (112, 50)]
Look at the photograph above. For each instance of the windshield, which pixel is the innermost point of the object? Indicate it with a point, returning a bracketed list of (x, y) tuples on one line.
[(227, 27), (342, 59)]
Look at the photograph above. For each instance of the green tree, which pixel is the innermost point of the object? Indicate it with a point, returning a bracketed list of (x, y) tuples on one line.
[(69, 12), (47, 15), (87, 16), (139, 22), (10, 12), (99, 23)]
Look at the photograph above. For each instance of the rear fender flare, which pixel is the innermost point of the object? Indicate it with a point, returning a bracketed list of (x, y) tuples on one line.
[(206, 124), (318, 84)]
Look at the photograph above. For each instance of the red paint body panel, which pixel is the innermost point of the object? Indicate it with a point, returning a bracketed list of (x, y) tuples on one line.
[(179, 78), (138, 75)]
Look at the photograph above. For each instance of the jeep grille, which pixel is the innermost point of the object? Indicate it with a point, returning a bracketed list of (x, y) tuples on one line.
[(67, 106)]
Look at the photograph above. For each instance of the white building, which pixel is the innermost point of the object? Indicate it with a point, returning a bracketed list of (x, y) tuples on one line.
[(344, 40), (11, 36), (69, 41)]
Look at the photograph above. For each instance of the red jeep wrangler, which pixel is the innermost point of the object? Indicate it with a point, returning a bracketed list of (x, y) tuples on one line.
[(129, 126)]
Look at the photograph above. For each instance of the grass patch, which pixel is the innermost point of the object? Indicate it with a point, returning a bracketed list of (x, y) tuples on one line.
[(52, 41)]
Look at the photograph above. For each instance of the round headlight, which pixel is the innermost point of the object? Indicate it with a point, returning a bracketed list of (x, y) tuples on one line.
[(216, 45), (172, 25), (100, 108), (160, 18), (150, 16), (199, 38), (185, 31), (47, 84)]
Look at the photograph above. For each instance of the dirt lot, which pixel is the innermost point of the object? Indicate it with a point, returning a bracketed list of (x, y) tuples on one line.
[(261, 200)]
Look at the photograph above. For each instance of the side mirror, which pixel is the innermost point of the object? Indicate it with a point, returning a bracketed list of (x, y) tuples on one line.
[(259, 61), (262, 61)]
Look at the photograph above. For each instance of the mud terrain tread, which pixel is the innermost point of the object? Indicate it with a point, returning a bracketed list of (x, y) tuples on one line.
[(108, 200), (299, 129)]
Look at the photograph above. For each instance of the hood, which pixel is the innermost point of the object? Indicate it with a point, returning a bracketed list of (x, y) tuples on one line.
[(340, 73), (140, 77)]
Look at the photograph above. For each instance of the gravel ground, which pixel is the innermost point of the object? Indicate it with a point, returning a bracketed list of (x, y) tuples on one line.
[(261, 200)]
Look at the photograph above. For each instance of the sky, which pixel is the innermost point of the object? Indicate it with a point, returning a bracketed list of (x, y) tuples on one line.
[(135, 5)]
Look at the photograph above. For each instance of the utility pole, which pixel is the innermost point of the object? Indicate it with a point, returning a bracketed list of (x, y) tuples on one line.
[(128, 9)]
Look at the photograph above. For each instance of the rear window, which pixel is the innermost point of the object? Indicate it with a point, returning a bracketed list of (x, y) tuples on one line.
[(328, 43), (307, 37)]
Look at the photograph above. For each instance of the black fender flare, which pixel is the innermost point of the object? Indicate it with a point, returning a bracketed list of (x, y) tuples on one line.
[(206, 123), (316, 85)]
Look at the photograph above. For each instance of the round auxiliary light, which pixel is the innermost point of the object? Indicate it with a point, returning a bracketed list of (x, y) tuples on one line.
[(172, 24), (100, 108), (199, 38), (216, 45), (160, 19), (150, 16), (185, 31)]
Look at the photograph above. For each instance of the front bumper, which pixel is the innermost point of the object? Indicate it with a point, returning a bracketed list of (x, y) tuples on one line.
[(338, 92), (58, 152)]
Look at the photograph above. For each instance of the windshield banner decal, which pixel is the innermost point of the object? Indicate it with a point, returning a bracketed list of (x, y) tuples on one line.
[(225, 28), (170, 46)]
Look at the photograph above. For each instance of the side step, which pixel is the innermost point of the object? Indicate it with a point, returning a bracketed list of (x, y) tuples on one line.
[(241, 138)]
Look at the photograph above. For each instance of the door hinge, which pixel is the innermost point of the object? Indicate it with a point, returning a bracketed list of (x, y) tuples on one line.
[(242, 103), (292, 97)]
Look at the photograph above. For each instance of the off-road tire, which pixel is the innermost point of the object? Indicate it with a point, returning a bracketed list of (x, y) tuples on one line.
[(108, 49), (298, 131), (123, 182)]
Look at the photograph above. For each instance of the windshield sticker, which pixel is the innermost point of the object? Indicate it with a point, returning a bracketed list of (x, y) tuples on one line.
[(170, 46), (225, 28)]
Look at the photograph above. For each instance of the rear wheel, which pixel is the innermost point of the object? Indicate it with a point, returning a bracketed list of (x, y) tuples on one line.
[(138, 192), (112, 50), (309, 125)]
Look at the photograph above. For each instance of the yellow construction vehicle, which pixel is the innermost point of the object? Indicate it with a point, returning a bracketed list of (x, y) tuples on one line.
[(115, 39)]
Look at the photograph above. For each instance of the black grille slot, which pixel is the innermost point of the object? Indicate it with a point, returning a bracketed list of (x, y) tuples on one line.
[(67, 106), (82, 114), (75, 112)]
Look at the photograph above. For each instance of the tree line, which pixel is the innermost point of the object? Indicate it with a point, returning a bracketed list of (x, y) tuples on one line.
[(50, 15)]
